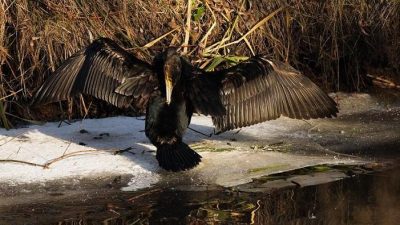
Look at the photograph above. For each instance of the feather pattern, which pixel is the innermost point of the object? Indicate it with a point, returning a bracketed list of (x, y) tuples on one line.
[(103, 70), (254, 91), (259, 89), (202, 92)]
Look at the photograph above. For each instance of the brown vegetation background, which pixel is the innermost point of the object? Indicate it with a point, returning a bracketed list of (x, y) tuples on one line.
[(335, 43)]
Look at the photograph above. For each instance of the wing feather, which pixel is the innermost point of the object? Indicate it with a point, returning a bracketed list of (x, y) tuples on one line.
[(258, 90), (100, 70), (202, 92)]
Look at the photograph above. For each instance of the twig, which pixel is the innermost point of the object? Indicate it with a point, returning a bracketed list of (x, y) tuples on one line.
[(12, 71), (251, 30), (338, 153), (47, 165), (83, 104), (162, 47), (76, 131), (40, 123), (188, 20), (151, 43), (253, 213), (14, 93), (204, 39), (13, 138), (19, 161), (247, 42), (228, 34), (144, 194), (3, 116), (312, 128)]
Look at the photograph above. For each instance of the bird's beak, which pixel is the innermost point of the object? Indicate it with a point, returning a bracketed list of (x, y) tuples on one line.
[(172, 73), (169, 86)]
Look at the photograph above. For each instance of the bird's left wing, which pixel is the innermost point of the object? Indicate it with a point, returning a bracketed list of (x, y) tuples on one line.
[(202, 91), (258, 90)]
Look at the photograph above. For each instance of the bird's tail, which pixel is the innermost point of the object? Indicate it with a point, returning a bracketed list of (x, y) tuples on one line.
[(177, 157)]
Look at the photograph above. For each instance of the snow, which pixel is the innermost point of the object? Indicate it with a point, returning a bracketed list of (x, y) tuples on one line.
[(41, 144), (238, 165)]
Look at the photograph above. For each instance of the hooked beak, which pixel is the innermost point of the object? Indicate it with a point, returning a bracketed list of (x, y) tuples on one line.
[(172, 72), (169, 86)]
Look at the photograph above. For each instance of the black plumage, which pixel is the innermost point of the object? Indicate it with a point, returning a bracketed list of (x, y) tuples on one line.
[(251, 92)]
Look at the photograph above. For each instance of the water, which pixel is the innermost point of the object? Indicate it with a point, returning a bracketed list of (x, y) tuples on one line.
[(372, 198)]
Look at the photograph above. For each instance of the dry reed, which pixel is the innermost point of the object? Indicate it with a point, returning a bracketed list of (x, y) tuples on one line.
[(333, 42)]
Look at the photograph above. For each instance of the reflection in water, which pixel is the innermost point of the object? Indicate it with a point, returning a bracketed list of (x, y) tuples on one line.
[(364, 199), (368, 199)]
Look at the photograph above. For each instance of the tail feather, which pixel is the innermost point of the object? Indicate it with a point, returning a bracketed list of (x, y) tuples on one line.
[(177, 157)]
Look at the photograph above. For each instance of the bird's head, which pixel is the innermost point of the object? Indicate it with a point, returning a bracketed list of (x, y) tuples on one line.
[(172, 71)]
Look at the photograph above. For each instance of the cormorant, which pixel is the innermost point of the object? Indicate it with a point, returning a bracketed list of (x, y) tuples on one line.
[(254, 91)]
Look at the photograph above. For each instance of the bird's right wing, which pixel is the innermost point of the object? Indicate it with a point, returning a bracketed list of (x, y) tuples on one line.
[(104, 70), (259, 89)]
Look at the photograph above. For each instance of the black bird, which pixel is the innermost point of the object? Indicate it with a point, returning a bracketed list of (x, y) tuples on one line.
[(251, 92)]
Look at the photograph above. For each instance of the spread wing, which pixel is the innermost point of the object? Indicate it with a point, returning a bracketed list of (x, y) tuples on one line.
[(258, 90), (202, 91), (104, 70)]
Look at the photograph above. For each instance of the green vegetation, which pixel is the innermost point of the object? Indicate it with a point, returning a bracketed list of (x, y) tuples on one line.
[(254, 170), (204, 147)]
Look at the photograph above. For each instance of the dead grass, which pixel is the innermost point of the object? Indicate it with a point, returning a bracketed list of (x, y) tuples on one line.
[(333, 42)]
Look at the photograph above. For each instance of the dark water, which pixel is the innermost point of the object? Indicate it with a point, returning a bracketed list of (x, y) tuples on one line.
[(362, 199)]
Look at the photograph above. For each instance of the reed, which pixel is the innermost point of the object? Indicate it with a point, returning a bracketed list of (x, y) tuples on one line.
[(334, 43)]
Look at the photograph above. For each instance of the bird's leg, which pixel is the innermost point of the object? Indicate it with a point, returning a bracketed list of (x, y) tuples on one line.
[(62, 116), (61, 121), (218, 133), (135, 111), (119, 152), (207, 135)]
